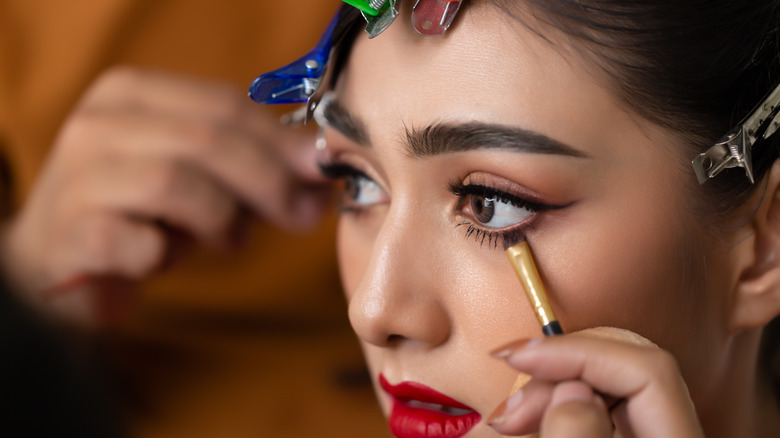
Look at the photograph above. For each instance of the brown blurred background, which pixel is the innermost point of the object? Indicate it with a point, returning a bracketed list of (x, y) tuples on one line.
[(246, 344)]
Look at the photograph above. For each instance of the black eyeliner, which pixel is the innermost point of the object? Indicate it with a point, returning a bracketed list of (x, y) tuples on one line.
[(461, 190), (336, 171)]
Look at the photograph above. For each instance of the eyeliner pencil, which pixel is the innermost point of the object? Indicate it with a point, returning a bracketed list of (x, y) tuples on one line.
[(523, 261)]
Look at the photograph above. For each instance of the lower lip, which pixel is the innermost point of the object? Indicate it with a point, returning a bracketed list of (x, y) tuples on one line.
[(412, 422)]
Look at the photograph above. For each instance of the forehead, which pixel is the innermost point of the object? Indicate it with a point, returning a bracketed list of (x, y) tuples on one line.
[(487, 68)]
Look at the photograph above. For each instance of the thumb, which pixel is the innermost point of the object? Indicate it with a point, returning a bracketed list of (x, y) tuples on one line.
[(575, 412)]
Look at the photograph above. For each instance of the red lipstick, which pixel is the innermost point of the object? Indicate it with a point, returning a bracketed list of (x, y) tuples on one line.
[(422, 412)]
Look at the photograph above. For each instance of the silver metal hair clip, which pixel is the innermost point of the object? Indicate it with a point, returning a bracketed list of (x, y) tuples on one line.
[(377, 24), (319, 111), (379, 14), (734, 148)]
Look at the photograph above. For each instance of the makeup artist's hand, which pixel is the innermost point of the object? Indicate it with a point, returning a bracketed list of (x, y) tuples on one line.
[(144, 160), (584, 383)]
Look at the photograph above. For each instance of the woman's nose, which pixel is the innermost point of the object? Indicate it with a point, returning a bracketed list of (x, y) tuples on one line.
[(400, 298)]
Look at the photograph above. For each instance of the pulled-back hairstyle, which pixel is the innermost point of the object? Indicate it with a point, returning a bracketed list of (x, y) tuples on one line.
[(697, 67)]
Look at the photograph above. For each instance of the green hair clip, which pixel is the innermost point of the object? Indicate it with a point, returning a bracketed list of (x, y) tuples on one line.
[(368, 8), (379, 14)]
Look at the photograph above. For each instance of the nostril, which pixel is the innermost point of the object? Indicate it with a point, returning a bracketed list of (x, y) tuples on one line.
[(394, 339)]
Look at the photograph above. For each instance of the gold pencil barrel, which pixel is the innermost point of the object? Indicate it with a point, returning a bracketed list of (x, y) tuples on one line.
[(523, 262)]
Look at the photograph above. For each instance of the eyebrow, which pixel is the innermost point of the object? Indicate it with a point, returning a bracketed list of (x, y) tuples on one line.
[(443, 138), (342, 121)]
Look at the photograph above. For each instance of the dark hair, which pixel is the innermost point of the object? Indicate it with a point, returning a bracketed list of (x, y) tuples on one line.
[(697, 67)]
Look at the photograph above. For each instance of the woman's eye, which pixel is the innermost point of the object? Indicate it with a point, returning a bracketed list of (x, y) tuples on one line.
[(362, 191), (494, 212), (492, 208), (493, 215), (359, 191)]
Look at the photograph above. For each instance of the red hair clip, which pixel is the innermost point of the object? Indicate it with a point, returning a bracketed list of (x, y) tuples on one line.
[(433, 17)]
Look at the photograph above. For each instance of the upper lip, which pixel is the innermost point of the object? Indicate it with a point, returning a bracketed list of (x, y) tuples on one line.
[(408, 391)]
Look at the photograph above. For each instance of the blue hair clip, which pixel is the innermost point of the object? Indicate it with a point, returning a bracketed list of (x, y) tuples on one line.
[(299, 81)]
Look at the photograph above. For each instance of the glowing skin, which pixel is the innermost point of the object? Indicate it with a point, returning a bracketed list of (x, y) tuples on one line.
[(427, 302)]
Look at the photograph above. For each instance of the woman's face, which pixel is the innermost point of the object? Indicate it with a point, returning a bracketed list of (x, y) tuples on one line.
[(452, 148)]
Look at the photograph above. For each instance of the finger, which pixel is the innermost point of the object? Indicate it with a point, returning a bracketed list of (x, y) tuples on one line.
[(100, 303), (253, 172), (646, 378), (103, 243), (522, 412), (171, 95), (574, 412), (175, 193)]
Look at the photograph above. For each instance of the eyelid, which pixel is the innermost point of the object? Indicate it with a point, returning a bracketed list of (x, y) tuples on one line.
[(351, 163), (359, 181), (341, 152), (462, 190), (518, 197), (503, 185)]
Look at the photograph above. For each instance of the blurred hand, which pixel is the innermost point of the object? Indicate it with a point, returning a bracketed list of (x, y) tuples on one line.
[(597, 383), (145, 161)]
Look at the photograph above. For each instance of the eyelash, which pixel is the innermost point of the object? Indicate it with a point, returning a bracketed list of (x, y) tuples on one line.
[(341, 171), (507, 236), (336, 171)]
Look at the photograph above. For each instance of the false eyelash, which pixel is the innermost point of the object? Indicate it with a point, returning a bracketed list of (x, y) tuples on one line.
[(340, 171), (508, 237), (336, 171), (461, 190)]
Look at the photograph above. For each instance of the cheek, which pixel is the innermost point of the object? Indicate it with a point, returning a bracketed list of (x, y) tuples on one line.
[(356, 235), (473, 285), (353, 247), (638, 287), (638, 268)]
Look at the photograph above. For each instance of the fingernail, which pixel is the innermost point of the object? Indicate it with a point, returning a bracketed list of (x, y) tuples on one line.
[(508, 349), (497, 417), (506, 407)]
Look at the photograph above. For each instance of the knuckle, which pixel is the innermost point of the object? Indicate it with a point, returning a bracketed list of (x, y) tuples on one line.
[(199, 140), (226, 104), (161, 182), (88, 130), (80, 127), (663, 362), (112, 88), (207, 136)]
